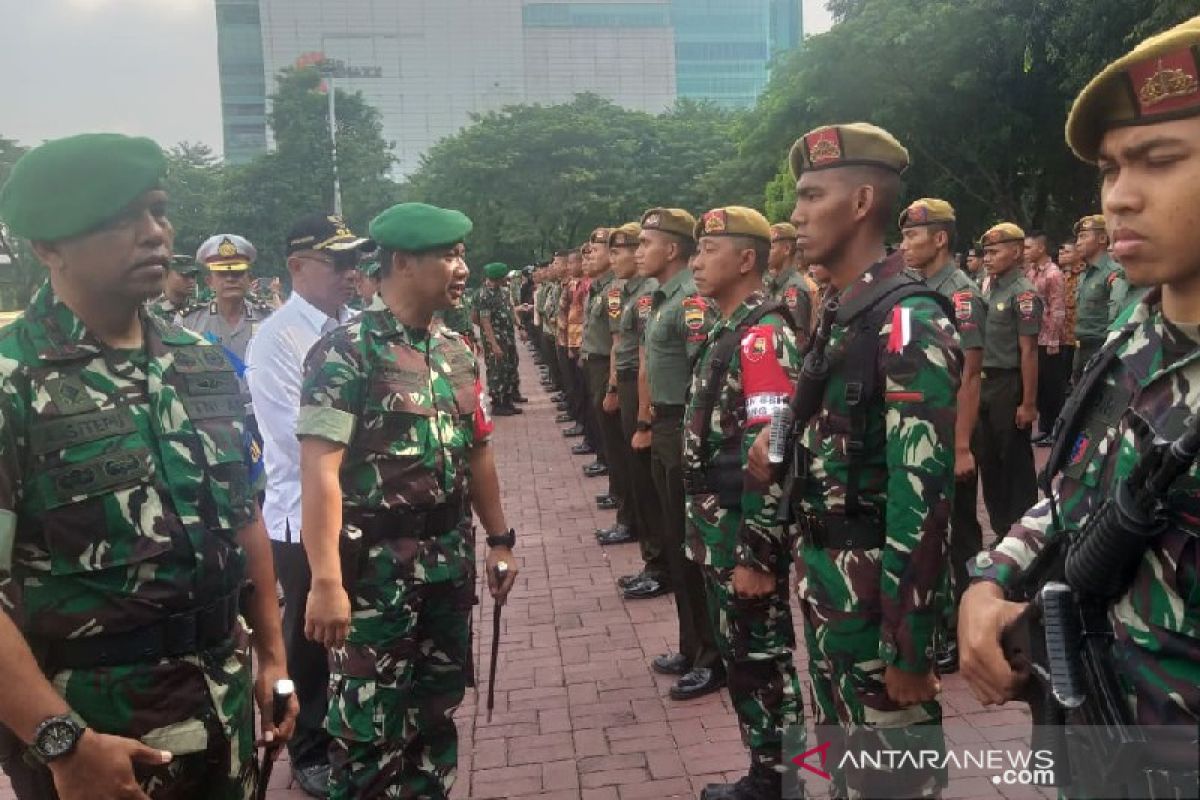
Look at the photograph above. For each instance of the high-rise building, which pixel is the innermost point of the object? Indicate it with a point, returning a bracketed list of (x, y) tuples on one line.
[(428, 64)]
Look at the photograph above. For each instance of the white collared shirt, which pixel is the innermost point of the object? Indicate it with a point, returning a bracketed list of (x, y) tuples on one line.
[(277, 355)]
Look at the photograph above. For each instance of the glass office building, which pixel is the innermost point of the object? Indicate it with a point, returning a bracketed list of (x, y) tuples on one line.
[(427, 65)]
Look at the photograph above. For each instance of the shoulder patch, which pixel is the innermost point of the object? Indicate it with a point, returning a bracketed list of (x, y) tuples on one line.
[(614, 302), (693, 312), (962, 304), (1025, 303), (791, 296), (644, 304), (1112, 277)]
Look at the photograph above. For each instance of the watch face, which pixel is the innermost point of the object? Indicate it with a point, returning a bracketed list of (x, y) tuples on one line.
[(57, 738)]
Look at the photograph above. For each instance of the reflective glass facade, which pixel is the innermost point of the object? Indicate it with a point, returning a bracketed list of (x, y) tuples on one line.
[(243, 79)]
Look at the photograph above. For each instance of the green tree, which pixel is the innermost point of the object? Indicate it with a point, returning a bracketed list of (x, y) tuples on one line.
[(193, 183)]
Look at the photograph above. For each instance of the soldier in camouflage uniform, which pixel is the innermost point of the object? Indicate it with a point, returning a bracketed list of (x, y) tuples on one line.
[(498, 339), (787, 284), (736, 540), (128, 527), (179, 290), (394, 442), (873, 499), (1146, 392)]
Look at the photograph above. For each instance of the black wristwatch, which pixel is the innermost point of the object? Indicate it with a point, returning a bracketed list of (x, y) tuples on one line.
[(508, 540), (55, 737), (642, 425), (612, 389)]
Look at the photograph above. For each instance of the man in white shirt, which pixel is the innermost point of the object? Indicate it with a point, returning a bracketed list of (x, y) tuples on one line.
[(323, 256)]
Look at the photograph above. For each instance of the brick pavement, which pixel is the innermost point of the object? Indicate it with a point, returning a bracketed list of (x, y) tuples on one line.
[(579, 715)]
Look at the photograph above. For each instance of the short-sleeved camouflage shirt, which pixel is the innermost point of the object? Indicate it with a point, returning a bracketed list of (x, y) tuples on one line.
[(1014, 310), (407, 404)]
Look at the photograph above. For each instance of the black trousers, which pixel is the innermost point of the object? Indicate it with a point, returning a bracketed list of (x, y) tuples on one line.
[(550, 358), (307, 663), (608, 429), (696, 639), (1054, 370), (645, 510), (1003, 452), (966, 537)]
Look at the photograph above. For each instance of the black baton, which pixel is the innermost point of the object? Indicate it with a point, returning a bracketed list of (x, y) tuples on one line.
[(284, 689), (501, 573)]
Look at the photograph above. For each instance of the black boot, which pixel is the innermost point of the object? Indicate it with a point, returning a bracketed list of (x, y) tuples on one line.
[(762, 783)]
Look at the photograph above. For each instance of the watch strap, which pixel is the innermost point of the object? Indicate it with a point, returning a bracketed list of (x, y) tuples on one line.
[(508, 539)]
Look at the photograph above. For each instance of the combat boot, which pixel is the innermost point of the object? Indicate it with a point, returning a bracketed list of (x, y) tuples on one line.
[(762, 783)]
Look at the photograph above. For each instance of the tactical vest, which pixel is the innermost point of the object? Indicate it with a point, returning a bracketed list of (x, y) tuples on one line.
[(84, 447)]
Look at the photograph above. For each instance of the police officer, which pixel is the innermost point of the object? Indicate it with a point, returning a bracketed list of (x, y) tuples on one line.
[(787, 284), (679, 322), (231, 318), (1100, 293), (128, 527), (645, 509), (745, 371), (179, 290), (1008, 391), (394, 439), (878, 470), (1147, 388), (498, 339), (927, 228)]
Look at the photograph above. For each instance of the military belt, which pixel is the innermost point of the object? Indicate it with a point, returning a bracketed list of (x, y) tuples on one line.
[(181, 634), (838, 532), (996, 372), (624, 375), (408, 523)]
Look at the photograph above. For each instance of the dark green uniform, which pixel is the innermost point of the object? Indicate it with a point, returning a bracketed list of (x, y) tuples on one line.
[(1099, 299), (970, 317), (679, 323), (796, 292), (754, 636), (603, 311), (645, 510), (168, 311), (405, 404), (1003, 451), (125, 482)]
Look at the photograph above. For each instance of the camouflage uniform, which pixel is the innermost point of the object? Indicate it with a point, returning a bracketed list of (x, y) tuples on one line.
[(406, 404), (493, 305), (754, 636), (866, 609), (207, 321), (168, 311), (125, 482), (1148, 392), (798, 294)]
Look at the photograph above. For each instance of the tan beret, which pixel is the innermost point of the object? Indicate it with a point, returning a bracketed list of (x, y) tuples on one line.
[(1158, 80), (849, 145), (1003, 233), (783, 230), (670, 220), (926, 211), (600, 236), (734, 221), (1092, 222), (627, 234)]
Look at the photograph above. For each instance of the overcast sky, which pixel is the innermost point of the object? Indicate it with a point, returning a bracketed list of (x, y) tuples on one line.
[(134, 66)]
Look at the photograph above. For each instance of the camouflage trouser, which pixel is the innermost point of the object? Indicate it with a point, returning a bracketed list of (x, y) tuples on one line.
[(393, 690), (852, 710), (755, 638), (501, 373)]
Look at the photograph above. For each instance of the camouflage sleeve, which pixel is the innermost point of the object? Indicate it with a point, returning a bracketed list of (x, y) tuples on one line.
[(1118, 288), (1006, 563), (331, 399), (770, 366), (10, 491), (485, 306), (922, 366), (697, 320)]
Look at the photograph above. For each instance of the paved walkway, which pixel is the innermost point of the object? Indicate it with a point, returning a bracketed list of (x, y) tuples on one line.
[(579, 715)]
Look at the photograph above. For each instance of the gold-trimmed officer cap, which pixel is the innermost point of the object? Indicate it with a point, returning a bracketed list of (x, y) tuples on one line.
[(328, 232), (734, 221), (926, 211), (675, 221), (783, 230), (1003, 233), (67, 187), (1157, 81), (1092, 222), (226, 252), (626, 235), (600, 236), (417, 227), (848, 145)]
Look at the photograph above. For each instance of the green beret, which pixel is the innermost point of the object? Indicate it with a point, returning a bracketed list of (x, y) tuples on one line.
[(495, 271), (926, 211), (184, 265), (670, 220), (850, 145), (1002, 233), (734, 221), (1092, 222), (783, 230), (416, 227), (1158, 80), (70, 186)]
